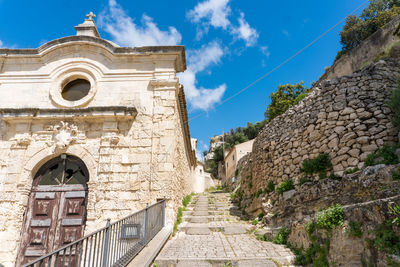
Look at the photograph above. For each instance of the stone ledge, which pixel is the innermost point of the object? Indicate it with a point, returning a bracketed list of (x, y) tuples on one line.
[(149, 253), (115, 112)]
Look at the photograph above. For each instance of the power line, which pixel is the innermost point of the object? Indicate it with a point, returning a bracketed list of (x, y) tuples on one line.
[(281, 64)]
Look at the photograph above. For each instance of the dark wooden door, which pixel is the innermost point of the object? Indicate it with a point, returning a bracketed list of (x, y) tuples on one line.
[(56, 213)]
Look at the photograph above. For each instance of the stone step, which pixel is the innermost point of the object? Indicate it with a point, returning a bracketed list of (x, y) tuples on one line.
[(211, 206), (228, 229), (198, 231), (215, 262), (212, 218), (205, 213)]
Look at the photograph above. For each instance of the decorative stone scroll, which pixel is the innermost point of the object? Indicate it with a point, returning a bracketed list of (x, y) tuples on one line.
[(64, 134), (21, 140)]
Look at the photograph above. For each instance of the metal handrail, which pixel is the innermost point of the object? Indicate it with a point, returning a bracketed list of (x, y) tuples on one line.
[(114, 245)]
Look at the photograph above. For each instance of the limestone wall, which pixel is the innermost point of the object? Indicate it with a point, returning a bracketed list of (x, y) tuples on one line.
[(347, 117), (366, 52)]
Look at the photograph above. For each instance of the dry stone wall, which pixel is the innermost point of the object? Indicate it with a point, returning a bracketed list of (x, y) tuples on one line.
[(346, 117)]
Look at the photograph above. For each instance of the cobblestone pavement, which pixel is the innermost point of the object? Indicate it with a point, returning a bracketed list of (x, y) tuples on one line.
[(211, 236)]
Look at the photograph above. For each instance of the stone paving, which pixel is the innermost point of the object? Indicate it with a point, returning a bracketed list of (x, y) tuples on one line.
[(210, 236)]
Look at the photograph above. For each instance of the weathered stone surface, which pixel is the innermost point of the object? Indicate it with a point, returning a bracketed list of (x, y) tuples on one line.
[(234, 230), (198, 231), (199, 220), (288, 194), (200, 213), (255, 263)]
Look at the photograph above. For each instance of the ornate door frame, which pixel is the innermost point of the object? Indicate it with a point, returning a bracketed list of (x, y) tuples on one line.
[(56, 212)]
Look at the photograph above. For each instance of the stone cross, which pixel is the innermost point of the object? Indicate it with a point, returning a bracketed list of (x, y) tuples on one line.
[(90, 16)]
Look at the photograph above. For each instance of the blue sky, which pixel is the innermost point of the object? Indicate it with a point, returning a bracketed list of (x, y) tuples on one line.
[(229, 44)]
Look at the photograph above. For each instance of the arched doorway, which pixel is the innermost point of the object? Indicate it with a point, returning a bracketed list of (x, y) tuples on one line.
[(56, 212)]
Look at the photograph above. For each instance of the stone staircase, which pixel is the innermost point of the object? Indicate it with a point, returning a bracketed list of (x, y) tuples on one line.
[(212, 234)]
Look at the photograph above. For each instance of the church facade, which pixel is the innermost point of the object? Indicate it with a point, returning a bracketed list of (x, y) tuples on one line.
[(88, 131)]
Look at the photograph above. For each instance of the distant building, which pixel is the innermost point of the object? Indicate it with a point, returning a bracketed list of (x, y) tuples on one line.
[(202, 179), (215, 142), (232, 158)]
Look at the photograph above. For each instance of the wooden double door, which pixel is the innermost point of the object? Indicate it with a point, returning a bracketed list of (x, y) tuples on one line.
[(56, 212)]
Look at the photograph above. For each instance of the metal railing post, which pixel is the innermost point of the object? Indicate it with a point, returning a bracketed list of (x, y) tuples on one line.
[(106, 239), (146, 223), (163, 213)]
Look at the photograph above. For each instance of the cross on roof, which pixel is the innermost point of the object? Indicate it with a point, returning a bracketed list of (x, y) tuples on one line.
[(90, 16)]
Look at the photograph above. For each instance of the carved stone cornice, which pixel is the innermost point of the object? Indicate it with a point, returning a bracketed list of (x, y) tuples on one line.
[(90, 113), (162, 83)]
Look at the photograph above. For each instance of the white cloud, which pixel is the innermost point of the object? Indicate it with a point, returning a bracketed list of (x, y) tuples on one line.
[(245, 32), (198, 61), (265, 51), (1, 43), (286, 33), (199, 152), (216, 13), (124, 31)]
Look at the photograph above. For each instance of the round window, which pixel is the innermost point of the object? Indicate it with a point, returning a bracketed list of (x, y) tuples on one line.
[(76, 90)]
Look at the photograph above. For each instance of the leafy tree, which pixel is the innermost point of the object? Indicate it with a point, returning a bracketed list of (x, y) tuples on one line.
[(377, 6), (353, 33), (218, 154), (234, 137), (375, 16), (285, 97), (250, 131)]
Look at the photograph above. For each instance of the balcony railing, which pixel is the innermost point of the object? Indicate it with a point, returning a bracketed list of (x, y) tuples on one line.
[(114, 245)]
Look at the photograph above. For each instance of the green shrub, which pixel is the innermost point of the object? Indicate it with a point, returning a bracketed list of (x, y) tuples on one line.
[(281, 236), (236, 196), (179, 216), (285, 186), (385, 155), (304, 180), (330, 218), (396, 175), (236, 172), (395, 211), (270, 187), (300, 257), (258, 193), (335, 177), (391, 262), (186, 200), (394, 105), (261, 237), (318, 165), (317, 254), (178, 220), (260, 216), (386, 239), (350, 171), (254, 222), (355, 229)]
